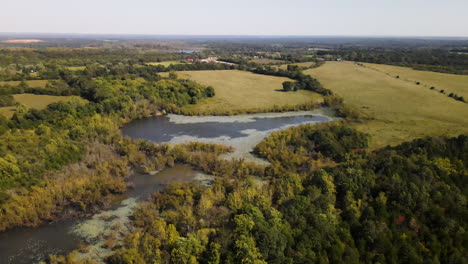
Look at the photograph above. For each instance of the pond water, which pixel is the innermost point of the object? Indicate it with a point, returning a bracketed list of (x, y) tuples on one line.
[(243, 132), (31, 245)]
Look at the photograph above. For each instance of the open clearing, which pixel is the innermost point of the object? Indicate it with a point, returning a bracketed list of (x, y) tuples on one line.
[(451, 83), (267, 61), (76, 68), (165, 63), (31, 83), (36, 101), (402, 110), (239, 90)]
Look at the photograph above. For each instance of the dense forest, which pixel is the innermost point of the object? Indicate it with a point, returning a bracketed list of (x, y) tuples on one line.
[(323, 200), (58, 156)]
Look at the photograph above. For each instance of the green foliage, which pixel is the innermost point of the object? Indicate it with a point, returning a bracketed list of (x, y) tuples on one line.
[(426, 59), (7, 100), (289, 86), (294, 147), (404, 204)]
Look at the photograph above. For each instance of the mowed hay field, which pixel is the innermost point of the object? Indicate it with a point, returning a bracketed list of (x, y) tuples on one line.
[(36, 102), (267, 61), (244, 91), (402, 110), (450, 83), (31, 83), (76, 68)]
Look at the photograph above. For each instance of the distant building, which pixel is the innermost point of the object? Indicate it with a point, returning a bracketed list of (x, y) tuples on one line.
[(213, 60), (188, 51)]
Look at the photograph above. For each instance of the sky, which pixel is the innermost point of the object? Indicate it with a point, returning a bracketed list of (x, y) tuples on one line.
[(238, 17)]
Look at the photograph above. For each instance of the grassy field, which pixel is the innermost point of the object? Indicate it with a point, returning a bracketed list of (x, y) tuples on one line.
[(451, 83), (7, 111), (165, 63), (402, 110), (76, 68), (267, 61), (33, 83), (35, 101), (241, 91)]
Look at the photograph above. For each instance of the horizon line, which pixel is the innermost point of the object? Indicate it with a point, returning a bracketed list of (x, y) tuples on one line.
[(234, 35)]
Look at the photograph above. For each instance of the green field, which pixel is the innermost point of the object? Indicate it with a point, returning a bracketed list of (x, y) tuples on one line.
[(267, 61), (451, 83), (164, 63), (7, 111), (32, 83), (35, 101), (402, 109), (241, 91), (76, 68)]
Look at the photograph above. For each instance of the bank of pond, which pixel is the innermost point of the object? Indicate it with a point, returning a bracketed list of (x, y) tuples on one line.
[(243, 133)]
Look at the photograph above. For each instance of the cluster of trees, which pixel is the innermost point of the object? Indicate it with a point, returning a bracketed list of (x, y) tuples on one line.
[(404, 204), (427, 59), (7, 100), (457, 97), (303, 81), (319, 142), (49, 64), (48, 158)]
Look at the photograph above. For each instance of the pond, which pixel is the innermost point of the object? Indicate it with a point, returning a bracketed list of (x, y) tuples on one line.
[(243, 132)]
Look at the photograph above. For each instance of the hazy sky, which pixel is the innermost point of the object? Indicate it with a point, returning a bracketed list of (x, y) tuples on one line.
[(238, 17)]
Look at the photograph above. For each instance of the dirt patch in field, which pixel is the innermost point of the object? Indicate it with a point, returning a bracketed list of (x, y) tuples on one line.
[(22, 41)]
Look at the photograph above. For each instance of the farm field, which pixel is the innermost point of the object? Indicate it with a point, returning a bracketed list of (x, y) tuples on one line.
[(31, 83), (76, 68), (35, 101), (165, 63), (402, 110), (242, 91), (7, 111), (267, 61), (450, 83)]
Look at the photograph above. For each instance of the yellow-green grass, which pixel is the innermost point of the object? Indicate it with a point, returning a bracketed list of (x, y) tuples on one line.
[(244, 91), (76, 68), (165, 63), (450, 83), (402, 110), (36, 101), (7, 111), (31, 83), (267, 61)]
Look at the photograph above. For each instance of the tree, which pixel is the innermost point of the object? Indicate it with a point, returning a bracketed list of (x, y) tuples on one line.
[(173, 75), (289, 86)]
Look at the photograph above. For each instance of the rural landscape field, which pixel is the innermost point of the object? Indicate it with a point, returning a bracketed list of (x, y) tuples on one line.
[(210, 132), (401, 110), (240, 91)]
